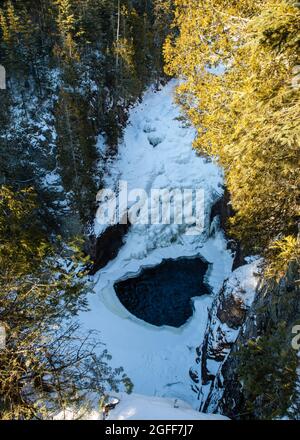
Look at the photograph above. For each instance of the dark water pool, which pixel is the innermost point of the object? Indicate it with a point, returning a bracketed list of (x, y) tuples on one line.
[(162, 295)]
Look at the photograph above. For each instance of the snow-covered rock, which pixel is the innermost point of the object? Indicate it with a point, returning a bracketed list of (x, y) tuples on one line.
[(226, 317)]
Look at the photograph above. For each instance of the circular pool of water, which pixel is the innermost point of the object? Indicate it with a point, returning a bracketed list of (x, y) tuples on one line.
[(161, 295)]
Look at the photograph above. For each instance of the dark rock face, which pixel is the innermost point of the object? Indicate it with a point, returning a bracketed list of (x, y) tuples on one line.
[(226, 317), (106, 247), (273, 303), (231, 312), (162, 295), (216, 346), (223, 210)]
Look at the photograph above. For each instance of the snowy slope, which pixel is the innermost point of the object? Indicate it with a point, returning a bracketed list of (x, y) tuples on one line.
[(157, 153), (137, 407)]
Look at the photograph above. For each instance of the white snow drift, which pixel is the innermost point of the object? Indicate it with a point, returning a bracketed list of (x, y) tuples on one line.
[(137, 407)]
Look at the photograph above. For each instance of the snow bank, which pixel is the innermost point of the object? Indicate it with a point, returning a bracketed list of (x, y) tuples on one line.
[(137, 407), (242, 283)]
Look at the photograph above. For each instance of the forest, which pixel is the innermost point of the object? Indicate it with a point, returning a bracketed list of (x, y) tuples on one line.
[(75, 72)]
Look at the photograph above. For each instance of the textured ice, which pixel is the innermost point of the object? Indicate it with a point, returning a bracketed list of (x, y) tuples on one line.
[(158, 359)]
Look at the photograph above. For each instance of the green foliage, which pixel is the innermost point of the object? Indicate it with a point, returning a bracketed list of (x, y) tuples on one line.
[(268, 373), (47, 365), (281, 254), (83, 62), (238, 59), (77, 155), (66, 24)]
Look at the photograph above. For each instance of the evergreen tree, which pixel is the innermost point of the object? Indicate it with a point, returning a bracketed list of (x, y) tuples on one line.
[(46, 365), (268, 371), (238, 59), (77, 153)]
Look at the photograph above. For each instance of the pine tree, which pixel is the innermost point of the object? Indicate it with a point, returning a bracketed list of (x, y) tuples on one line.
[(268, 371), (66, 23), (238, 59), (46, 365), (163, 11), (77, 155)]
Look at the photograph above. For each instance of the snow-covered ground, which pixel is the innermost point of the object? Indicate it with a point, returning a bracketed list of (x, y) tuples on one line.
[(157, 153), (138, 407)]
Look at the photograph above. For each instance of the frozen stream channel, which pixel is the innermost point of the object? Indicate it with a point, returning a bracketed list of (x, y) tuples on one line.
[(157, 153)]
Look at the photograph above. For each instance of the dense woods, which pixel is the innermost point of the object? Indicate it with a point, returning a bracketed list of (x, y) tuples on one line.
[(74, 68), (240, 63)]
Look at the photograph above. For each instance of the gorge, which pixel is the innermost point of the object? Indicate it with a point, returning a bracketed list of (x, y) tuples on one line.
[(159, 336)]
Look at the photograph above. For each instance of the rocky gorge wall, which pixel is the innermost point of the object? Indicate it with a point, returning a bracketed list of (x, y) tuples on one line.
[(247, 308), (236, 319), (275, 305)]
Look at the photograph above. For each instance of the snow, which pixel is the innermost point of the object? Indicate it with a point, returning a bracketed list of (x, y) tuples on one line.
[(53, 178), (243, 281), (37, 130), (158, 359), (172, 163), (138, 407)]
